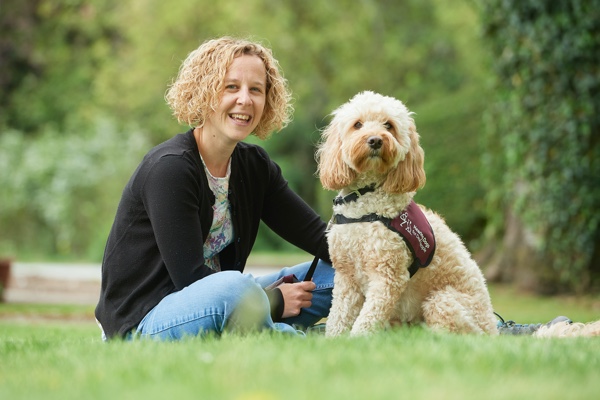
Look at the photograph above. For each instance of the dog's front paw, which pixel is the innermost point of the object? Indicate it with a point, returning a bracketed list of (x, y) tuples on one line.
[(360, 331), (364, 327), (333, 330)]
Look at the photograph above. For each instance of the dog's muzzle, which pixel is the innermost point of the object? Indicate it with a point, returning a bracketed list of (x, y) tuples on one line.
[(375, 142)]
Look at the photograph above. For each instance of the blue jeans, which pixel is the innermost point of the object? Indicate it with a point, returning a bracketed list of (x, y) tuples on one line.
[(230, 300)]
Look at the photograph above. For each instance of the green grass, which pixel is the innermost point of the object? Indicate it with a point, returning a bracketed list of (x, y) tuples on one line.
[(529, 308), (54, 352), (65, 362)]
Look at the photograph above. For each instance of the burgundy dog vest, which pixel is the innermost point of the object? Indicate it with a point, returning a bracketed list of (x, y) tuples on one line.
[(412, 226)]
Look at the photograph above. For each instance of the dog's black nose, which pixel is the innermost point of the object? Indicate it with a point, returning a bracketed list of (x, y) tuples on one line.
[(375, 142)]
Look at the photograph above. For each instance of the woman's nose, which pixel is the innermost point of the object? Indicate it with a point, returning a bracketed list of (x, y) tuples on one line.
[(244, 97)]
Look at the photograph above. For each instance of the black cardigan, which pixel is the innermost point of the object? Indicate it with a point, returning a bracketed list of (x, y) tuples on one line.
[(155, 246)]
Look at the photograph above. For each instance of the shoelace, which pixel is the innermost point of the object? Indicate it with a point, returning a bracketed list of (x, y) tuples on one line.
[(510, 327)]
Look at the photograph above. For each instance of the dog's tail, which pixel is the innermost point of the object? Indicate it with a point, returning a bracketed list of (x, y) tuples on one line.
[(569, 329)]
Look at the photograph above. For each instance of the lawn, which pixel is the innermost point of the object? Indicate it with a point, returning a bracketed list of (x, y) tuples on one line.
[(54, 352)]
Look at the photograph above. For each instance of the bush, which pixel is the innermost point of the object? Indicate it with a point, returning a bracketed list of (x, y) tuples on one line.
[(543, 132), (60, 190)]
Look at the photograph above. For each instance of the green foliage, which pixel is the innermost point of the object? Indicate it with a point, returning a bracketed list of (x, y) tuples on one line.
[(53, 50), (546, 125), (329, 51), (76, 61), (59, 193), (452, 150)]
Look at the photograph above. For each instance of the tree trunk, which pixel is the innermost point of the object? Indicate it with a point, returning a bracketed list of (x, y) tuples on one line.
[(4, 276), (516, 261)]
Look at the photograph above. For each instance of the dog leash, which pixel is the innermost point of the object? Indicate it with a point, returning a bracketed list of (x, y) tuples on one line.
[(315, 261), (336, 201), (313, 265), (309, 274)]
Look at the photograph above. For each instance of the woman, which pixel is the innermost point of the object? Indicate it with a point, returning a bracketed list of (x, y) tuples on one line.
[(190, 213)]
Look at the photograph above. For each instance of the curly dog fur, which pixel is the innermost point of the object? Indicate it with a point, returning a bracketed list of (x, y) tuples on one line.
[(372, 140), (372, 284)]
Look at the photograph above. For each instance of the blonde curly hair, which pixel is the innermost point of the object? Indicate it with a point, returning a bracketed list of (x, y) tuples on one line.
[(197, 90)]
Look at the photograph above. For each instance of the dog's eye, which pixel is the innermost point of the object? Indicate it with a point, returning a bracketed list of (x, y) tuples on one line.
[(358, 125), (387, 126)]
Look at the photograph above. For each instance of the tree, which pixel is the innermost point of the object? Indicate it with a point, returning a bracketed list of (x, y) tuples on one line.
[(62, 162), (50, 53), (17, 24), (415, 50), (543, 142), (79, 74)]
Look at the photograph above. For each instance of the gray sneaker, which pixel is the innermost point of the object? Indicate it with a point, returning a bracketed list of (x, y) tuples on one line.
[(511, 328), (317, 329)]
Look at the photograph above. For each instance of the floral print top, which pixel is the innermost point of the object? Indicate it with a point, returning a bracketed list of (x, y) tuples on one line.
[(221, 231)]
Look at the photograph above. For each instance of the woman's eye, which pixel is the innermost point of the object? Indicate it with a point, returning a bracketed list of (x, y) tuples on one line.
[(387, 126), (358, 125)]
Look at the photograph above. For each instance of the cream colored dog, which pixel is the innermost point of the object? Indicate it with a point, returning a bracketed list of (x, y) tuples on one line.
[(372, 143), (370, 153)]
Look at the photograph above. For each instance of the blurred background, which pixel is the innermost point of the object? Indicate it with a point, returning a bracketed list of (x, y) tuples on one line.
[(505, 94)]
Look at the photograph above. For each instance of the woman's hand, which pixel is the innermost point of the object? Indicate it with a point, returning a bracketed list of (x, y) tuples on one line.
[(296, 296)]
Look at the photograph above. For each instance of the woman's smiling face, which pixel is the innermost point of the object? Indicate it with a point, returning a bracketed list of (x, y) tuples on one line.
[(242, 100)]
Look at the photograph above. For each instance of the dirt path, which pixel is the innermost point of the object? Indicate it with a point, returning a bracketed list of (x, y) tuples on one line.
[(54, 283)]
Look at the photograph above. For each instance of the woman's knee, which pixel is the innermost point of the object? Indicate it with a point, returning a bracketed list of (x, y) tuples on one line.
[(233, 286), (245, 303), (226, 298)]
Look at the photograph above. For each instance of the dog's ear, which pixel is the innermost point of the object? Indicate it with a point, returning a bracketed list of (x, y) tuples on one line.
[(410, 174), (333, 171)]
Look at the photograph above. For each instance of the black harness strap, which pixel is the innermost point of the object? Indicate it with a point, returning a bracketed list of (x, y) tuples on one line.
[(411, 225), (354, 195), (340, 219), (419, 261), (337, 201)]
